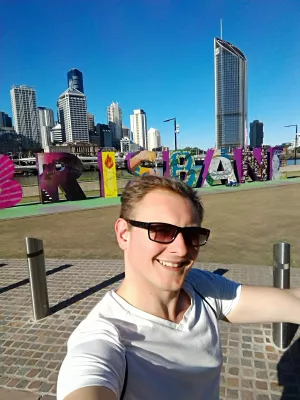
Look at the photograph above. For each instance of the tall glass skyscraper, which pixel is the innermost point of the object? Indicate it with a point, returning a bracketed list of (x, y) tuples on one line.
[(75, 80), (231, 96), (26, 119), (114, 120)]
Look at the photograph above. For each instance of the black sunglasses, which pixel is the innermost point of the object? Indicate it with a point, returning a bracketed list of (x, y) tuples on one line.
[(160, 232)]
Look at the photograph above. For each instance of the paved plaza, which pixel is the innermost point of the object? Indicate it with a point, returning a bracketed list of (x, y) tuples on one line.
[(32, 352)]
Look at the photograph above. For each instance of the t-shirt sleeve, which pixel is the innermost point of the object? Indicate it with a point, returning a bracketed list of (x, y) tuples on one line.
[(95, 357), (222, 294)]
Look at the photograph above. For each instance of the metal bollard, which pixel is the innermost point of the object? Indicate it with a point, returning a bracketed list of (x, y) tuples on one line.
[(37, 277), (281, 280)]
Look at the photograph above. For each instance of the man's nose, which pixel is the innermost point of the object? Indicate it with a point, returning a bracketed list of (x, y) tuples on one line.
[(179, 246)]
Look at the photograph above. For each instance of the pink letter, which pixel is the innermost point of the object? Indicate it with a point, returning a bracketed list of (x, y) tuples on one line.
[(10, 190)]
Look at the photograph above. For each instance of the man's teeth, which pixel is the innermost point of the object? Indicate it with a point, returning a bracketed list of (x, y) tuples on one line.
[(169, 264)]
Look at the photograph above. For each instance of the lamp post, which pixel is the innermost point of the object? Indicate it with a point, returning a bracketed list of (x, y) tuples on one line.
[(175, 129), (296, 141)]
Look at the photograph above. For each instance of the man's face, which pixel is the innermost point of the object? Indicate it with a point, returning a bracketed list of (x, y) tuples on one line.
[(144, 258)]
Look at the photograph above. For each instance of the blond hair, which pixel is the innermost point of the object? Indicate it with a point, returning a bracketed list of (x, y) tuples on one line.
[(137, 189)]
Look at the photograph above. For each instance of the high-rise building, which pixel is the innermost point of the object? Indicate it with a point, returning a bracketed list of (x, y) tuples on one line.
[(127, 146), (26, 121), (46, 116), (102, 136), (154, 140), (46, 121), (5, 120), (75, 80), (114, 120), (73, 116), (138, 126), (256, 133), (91, 123), (56, 134), (125, 132), (231, 96)]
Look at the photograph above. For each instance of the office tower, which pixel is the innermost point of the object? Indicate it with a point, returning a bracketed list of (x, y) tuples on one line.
[(138, 126), (56, 134), (25, 114), (127, 146), (91, 123), (125, 132), (256, 133), (46, 121), (231, 96), (73, 116), (46, 116), (5, 120), (102, 136), (114, 120), (154, 140), (75, 80)]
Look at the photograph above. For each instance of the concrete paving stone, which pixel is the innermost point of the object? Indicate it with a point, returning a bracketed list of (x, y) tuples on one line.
[(34, 385), (22, 384), (232, 394), (259, 364), (45, 387), (246, 395)]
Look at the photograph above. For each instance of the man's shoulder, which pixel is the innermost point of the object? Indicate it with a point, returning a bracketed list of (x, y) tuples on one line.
[(201, 277), (101, 323), (208, 283)]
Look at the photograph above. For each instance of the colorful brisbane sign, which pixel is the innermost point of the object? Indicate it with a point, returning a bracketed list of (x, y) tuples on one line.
[(62, 170)]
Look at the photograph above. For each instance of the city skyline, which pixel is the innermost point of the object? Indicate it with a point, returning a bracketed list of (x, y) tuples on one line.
[(164, 85)]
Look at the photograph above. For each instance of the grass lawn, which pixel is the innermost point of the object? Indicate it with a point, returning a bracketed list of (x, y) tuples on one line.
[(244, 226)]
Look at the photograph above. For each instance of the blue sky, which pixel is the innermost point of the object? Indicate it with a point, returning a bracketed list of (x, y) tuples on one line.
[(156, 55)]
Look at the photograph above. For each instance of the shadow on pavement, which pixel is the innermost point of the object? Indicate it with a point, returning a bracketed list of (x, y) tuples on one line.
[(100, 286), (86, 293), (25, 281), (2, 265), (288, 370)]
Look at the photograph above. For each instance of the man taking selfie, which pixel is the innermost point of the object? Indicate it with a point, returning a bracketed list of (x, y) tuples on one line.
[(157, 336)]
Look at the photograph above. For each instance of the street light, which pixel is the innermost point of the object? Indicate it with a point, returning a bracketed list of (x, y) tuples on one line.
[(296, 141), (175, 130)]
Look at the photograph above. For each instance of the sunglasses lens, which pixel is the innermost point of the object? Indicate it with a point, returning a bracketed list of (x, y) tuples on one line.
[(162, 233), (195, 236)]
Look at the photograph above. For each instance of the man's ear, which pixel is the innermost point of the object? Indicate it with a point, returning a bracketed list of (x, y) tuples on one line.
[(122, 233)]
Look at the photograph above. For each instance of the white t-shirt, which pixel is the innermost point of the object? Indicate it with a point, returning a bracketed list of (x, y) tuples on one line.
[(165, 360)]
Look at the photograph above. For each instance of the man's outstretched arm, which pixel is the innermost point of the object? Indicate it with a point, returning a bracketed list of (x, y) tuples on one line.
[(92, 393), (259, 304)]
